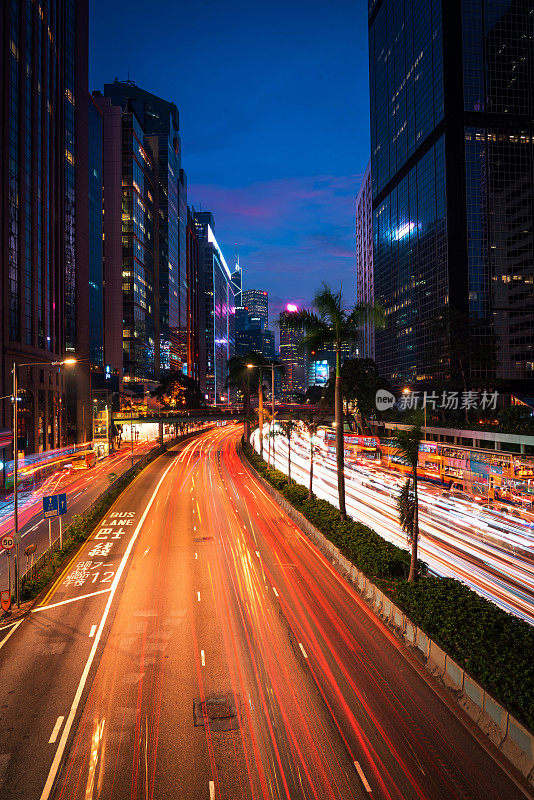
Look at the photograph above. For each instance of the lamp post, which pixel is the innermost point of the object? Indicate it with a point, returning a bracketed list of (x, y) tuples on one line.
[(66, 361)]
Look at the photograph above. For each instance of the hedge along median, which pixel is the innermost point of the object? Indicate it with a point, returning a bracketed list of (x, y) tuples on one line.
[(82, 525), (494, 647)]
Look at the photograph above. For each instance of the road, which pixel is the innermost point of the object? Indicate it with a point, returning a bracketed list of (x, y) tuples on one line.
[(456, 539), (199, 646), (82, 487)]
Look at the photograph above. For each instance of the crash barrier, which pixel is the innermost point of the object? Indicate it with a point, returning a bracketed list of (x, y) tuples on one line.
[(512, 738)]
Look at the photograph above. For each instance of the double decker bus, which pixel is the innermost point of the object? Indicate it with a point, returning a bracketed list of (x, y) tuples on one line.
[(496, 474), (356, 446)]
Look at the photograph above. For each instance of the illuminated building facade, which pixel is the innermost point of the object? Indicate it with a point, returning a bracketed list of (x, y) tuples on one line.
[(193, 299), (452, 167), (364, 259), (217, 311), (44, 264), (256, 301), (294, 377), (159, 122)]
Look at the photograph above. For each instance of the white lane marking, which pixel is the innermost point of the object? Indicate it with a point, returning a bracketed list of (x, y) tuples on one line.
[(76, 495), (196, 555), (92, 632), (202, 658), (14, 627), (56, 730), (274, 590), (212, 790), (198, 596), (71, 600), (362, 776), (77, 697), (146, 551), (304, 653), (194, 527), (258, 553)]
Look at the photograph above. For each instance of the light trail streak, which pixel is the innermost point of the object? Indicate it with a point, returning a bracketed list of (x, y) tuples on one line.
[(451, 536)]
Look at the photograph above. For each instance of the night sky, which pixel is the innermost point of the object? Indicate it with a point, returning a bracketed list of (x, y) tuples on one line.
[(273, 102)]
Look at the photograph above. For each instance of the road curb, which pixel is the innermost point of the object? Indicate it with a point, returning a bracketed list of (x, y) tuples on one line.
[(512, 739)]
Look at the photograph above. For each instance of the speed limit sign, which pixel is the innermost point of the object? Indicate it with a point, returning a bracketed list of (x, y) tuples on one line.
[(7, 541)]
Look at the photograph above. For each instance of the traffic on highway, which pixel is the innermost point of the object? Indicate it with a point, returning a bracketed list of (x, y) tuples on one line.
[(198, 645), (489, 548)]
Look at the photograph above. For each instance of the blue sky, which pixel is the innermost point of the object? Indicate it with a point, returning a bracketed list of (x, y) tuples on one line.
[(273, 102)]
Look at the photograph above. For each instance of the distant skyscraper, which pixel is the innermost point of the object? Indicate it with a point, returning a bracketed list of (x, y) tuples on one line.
[(292, 357), (452, 132), (217, 310), (364, 259), (44, 255), (237, 282), (257, 303), (193, 299)]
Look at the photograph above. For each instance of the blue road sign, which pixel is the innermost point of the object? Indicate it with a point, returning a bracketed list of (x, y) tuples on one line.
[(50, 506), (62, 504)]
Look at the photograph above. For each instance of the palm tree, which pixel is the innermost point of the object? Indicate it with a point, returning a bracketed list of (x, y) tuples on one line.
[(407, 444), (288, 426), (331, 327)]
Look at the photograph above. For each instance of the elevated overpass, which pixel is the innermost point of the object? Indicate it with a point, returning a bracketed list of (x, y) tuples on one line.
[(207, 414)]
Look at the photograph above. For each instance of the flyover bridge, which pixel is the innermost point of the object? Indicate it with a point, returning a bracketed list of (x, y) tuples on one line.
[(180, 416)]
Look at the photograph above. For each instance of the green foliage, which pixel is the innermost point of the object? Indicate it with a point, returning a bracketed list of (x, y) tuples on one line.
[(494, 647), (178, 389), (361, 381)]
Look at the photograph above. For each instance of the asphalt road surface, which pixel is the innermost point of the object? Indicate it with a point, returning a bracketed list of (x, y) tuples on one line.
[(199, 646)]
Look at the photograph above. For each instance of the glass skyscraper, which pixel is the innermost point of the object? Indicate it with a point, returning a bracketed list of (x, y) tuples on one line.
[(451, 87), (217, 311), (159, 121), (43, 233)]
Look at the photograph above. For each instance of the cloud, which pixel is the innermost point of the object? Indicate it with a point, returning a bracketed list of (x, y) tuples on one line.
[(292, 233)]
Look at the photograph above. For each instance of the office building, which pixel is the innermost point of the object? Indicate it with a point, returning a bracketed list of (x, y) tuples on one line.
[(255, 340), (159, 122), (217, 311), (452, 167), (237, 282), (193, 299), (364, 260), (44, 264), (294, 379), (256, 301), (96, 223)]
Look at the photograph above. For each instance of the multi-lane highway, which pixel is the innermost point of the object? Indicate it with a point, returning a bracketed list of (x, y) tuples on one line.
[(82, 488), (199, 646), (491, 553)]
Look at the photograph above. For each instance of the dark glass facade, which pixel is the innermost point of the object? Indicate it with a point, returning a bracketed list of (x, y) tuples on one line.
[(96, 286), (452, 179), (43, 208)]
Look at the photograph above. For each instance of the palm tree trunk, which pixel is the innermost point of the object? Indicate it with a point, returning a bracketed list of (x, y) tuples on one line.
[(246, 408), (310, 488), (289, 457), (260, 411), (412, 577), (340, 450)]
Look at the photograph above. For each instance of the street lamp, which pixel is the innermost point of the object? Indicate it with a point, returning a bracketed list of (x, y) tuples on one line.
[(67, 362)]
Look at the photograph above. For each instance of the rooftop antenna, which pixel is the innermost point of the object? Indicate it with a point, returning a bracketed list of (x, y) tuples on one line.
[(237, 256)]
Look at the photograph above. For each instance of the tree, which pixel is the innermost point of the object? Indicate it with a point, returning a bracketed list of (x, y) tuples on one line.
[(239, 378), (178, 390), (288, 426), (331, 326), (406, 444)]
